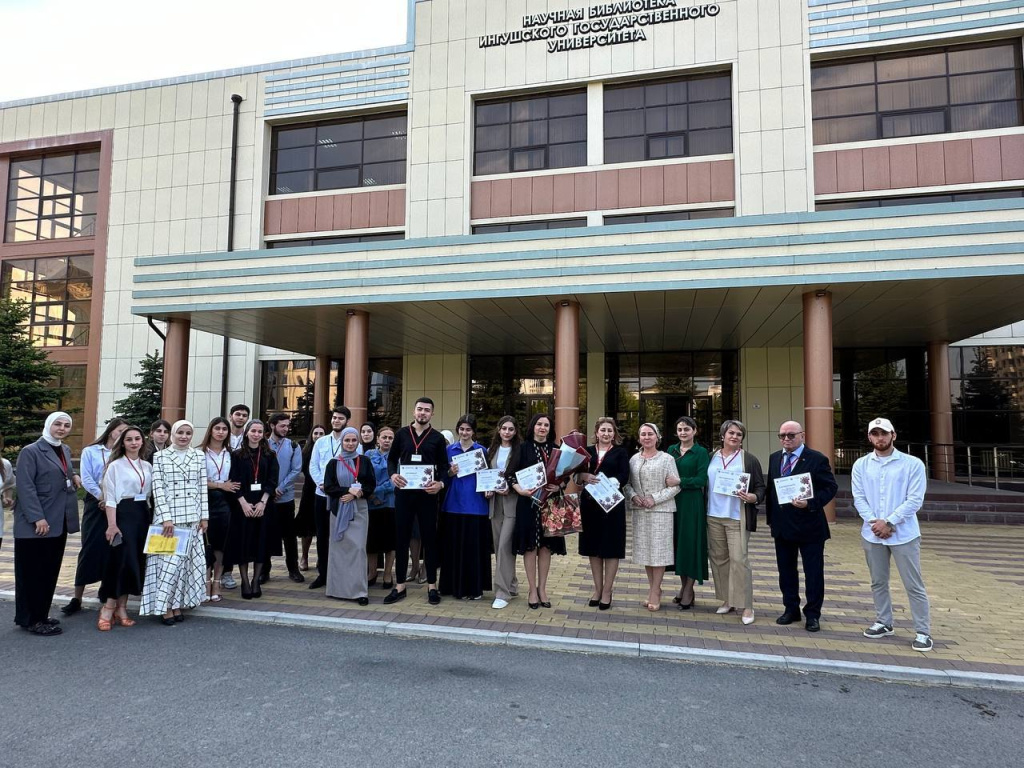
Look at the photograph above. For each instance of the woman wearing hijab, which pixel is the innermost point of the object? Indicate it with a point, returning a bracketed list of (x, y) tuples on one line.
[(175, 582), (92, 556), (254, 467), (127, 484), (348, 479), (45, 513)]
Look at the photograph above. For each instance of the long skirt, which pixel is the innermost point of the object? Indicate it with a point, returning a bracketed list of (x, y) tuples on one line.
[(248, 537), (305, 524), (36, 569), (604, 533), (175, 581), (126, 563), (220, 520), (381, 536), (529, 533), (92, 557), (346, 561), (465, 544)]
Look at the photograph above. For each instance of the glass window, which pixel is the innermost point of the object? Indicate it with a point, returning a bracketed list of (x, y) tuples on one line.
[(529, 226), (685, 117), (342, 240), (531, 134), (968, 88), (59, 293), (882, 202), (361, 152), (52, 196), (647, 218)]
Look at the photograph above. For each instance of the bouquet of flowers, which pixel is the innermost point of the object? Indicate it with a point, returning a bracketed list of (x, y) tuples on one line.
[(560, 512)]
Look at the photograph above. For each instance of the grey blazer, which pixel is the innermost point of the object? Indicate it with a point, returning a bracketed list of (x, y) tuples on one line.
[(43, 492)]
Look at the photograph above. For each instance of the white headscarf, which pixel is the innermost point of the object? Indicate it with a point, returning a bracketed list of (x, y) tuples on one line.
[(174, 428), (49, 423)]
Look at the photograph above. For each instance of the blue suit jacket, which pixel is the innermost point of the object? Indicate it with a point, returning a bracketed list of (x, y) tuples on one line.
[(789, 522)]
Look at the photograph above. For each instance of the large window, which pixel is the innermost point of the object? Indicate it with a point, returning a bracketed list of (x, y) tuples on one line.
[(531, 134), (942, 90), (649, 218), (882, 202), (59, 292), (685, 117), (342, 240), (362, 152), (987, 386), (529, 226), (52, 196)]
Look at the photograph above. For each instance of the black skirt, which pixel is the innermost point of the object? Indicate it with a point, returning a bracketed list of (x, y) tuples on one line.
[(465, 543), (220, 521), (248, 537), (381, 536), (604, 533), (126, 564), (528, 533), (92, 557), (305, 523), (36, 569)]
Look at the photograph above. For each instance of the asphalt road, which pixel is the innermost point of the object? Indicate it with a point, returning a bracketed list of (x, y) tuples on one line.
[(216, 693)]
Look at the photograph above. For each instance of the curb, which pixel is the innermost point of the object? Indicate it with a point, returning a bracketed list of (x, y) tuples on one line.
[(797, 664)]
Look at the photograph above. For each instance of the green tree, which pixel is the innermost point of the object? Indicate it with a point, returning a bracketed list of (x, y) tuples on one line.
[(142, 406), (26, 379)]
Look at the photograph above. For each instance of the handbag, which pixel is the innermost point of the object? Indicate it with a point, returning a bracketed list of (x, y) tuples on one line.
[(560, 515)]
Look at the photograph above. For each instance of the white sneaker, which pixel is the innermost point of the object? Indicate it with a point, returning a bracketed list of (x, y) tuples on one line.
[(922, 643), (228, 581), (498, 604)]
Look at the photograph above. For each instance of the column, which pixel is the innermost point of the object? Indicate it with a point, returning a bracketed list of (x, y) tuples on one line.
[(567, 367), (818, 399), (322, 391), (175, 389), (597, 392), (357, 364), (942, 461)]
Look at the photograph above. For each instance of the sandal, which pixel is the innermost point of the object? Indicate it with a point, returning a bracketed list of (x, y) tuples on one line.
[(653, 607), (124, 621), (102, 624)]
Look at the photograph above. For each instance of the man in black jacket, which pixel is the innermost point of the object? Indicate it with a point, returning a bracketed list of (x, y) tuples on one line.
[(799, 526)]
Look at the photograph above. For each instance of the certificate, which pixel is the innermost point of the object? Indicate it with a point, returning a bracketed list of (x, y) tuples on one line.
[(531, 478), (469, 463), (731, 483), (158, 544), (490, 480), (605, 492), (794, 488), (418, 476)]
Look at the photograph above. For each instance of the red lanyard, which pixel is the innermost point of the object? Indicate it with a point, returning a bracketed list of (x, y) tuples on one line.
[(63, 461), (600, 458), (416, 445), (354, 470), (256, 465), (220, 466), (139, 472), (725, 464)]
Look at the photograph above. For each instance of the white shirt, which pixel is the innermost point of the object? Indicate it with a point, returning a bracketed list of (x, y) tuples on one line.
[(218, 466), (5, 485), (324, 449), (121, 480), (889, 488), (719, 505), (235, 441), (501, 457)]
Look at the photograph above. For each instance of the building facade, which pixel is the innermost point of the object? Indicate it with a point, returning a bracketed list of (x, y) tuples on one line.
[(756, 209)]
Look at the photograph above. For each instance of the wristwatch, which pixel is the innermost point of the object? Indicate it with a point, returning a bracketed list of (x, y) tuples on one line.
[(890, 525)]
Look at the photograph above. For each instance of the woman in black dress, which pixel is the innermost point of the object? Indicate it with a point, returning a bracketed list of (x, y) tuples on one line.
[(305, 526), (603, 538), (220, 491), (159, 438), (254, 468), (529, 539)]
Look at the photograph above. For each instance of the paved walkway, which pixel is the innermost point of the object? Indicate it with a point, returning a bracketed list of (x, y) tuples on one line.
[(974, 576)]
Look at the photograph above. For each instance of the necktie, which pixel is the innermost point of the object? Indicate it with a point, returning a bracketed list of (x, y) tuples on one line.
[(787, 464)]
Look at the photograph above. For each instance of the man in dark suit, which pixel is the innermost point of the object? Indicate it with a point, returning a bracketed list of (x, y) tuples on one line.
[(800, 527)]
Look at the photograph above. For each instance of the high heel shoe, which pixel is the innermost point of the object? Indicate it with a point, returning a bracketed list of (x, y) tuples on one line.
[(594, 602), (124, 621), (533, 606), (604, 606), (246, 592), (104, 625), (257, 591), (687, 606)]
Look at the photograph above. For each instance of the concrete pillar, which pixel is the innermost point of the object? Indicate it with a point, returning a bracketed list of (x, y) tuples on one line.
[(567, 367), (357, 364), (321, 392), (597, 391), (175, 390), (942, 462), (818, 400)]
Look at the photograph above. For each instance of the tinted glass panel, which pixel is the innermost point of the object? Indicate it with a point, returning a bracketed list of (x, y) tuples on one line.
[(52, 196), (528, 134)]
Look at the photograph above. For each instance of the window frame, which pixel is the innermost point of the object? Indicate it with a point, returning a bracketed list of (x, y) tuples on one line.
[(40, 327), (539, 225), (15, 203)]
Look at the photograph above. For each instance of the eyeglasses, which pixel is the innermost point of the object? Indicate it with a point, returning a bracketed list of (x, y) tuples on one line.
[(789, 435)]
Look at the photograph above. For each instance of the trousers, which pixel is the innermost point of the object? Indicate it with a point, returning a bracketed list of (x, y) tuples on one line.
[(410, 506), (730, 564), (812, 553), (908, 563)]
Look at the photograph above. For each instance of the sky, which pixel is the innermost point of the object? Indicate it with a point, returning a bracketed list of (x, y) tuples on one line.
[(56, 46)]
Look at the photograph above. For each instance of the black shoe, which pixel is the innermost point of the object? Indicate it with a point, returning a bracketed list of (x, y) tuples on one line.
[(297, 577), (545, 604), (74, 606), (43, 629), (812, 625), (394, 596), (363, 601), (604, 606), (167, 622), (246, 593), (434, 597), (372, 581), (387, 585), (593, 603), (179, 617), (257, 592), (788, 618), (264, 577), (51, 622), (318, 582)]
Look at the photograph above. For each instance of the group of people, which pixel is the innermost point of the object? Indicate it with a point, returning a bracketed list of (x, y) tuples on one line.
[(384, 492)]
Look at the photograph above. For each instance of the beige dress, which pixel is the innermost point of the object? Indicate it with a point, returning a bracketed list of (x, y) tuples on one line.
[(652, 528)]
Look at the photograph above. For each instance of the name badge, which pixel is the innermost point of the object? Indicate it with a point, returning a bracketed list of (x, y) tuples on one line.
[(256, 487), (416, 457), (356, 487), (68, 484), (140, 497)]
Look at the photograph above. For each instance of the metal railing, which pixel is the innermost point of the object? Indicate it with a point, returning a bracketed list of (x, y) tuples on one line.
[(987, 465)]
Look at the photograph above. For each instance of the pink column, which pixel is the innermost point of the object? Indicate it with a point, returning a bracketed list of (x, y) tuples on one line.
[(818, 399)]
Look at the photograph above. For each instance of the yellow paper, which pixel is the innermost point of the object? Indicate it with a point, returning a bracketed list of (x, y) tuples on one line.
[(158, 544)]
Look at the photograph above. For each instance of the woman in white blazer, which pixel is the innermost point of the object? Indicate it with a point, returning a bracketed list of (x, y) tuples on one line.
[(175, 582)]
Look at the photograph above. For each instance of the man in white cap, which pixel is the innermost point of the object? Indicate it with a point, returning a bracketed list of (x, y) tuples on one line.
[(888, 489)]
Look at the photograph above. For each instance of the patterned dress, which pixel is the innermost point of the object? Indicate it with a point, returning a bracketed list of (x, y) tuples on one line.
[(179, 492)]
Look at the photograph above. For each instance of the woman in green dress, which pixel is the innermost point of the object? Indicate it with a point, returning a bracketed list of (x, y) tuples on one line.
[(691, 537)]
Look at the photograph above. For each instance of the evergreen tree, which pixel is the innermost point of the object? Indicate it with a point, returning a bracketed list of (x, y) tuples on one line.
[(26, 378), (142, 407)]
